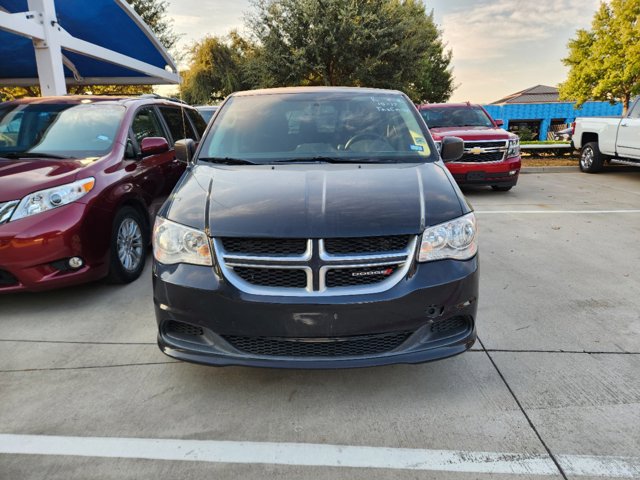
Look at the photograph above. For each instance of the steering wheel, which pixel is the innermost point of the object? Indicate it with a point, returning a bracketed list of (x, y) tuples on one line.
[(364, 136)]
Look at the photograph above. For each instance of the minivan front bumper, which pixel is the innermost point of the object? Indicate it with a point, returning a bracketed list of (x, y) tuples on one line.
[(430, 314)]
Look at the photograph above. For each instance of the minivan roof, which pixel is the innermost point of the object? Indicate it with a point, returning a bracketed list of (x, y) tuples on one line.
[(274, 91), (78, 99)]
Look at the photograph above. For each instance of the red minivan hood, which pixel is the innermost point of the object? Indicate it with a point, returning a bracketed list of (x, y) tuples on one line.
[(471, 133), (23, 176)]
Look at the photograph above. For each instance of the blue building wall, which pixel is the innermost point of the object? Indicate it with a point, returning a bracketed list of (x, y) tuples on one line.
[(545, 112)]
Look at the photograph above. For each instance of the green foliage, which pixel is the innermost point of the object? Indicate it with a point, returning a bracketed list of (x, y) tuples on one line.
[(373, 43), (526, 134), (217, 69), (153, 12), (605, 61), (11, 93)]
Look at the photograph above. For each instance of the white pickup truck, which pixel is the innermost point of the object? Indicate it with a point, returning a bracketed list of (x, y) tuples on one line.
[(608, 139)]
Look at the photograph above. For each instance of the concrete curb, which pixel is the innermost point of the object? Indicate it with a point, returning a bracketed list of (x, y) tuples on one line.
[(575, 169)]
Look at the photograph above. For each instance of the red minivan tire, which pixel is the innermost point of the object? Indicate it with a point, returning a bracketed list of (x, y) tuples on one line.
[(129, 241)]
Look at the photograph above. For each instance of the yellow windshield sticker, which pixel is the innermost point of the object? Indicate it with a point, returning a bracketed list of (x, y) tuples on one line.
[(420, 144)]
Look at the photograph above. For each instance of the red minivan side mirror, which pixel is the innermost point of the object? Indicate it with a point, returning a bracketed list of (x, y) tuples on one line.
[(499, 123), (153, 146)]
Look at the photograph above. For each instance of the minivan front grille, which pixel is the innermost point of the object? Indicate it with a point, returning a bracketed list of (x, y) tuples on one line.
[(265, 246), (334, 266), (346, 277), (345, 246), (273, 277), (310, 347)]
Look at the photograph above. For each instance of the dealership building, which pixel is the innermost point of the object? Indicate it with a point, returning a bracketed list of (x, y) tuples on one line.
[(540, 110)]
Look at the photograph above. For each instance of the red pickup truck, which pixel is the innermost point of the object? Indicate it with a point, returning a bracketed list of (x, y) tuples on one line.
[(491, 154)]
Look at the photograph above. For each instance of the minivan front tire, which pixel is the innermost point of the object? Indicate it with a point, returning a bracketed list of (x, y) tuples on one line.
[(129, 240)]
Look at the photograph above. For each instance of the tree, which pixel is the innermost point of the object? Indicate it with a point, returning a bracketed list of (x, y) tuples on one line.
[(604, 62), (374, 43), (153, 12), (216, 69)]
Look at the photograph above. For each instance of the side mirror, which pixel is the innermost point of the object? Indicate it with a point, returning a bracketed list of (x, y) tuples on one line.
[(499, 123), (452, 148), (153, 146), (185, 149)]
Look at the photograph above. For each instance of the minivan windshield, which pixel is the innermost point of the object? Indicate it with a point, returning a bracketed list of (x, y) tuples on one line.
[(323, 126), (466, 116), (59, 130)]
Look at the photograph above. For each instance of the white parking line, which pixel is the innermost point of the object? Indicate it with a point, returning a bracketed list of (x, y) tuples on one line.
[(502, 212), (318, 455)]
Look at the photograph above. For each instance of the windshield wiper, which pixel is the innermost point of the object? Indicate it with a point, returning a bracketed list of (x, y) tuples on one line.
[(228, 161), (323, 159), (16, 155)]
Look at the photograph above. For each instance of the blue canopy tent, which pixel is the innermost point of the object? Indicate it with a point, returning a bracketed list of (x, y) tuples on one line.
[(52, 44)]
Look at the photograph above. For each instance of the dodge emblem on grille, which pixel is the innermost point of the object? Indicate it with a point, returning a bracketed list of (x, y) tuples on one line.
[(385, 272)]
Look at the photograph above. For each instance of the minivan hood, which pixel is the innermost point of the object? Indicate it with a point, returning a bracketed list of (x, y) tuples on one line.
[(314, 201), (23, 176), (471, 133)]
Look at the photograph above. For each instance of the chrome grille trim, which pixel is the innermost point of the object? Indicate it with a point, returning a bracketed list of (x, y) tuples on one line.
[(7, 209), (468, 149), (316, 271)]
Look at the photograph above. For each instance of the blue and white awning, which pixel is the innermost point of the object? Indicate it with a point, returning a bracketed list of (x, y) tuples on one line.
[(50, 42)]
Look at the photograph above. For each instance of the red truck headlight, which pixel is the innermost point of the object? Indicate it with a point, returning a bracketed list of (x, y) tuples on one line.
[(514, 148)]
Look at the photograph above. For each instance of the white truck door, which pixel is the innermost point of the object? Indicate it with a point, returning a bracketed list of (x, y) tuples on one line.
[(629, 134)]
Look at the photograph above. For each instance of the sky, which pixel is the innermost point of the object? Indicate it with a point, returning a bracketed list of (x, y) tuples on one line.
[(499, 46)]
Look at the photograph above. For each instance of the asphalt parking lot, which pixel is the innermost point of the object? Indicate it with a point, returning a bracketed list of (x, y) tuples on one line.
[(552, 389)]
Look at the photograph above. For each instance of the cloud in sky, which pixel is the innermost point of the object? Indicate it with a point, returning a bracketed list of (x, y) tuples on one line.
[(499, 46), (502, 46), (495, 29)]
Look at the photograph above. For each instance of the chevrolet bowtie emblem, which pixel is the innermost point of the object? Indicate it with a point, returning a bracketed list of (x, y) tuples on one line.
[(476, 150)]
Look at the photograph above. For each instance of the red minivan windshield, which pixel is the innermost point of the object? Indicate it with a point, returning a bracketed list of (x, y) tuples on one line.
[(58, 130)]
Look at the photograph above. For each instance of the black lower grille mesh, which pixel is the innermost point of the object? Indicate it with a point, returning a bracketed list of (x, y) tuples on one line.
[(347, 277), (343, 347), (276, 247), (7, 279), (346, 246), (182, 328), (273, 277), (450, 326), (482, 157)]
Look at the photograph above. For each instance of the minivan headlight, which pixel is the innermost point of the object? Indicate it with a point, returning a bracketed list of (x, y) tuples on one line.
[(43, 200), (514, 148), (174, 243), (455, 239)]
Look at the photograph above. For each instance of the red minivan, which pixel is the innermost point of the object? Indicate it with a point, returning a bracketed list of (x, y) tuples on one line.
[(81, 178)]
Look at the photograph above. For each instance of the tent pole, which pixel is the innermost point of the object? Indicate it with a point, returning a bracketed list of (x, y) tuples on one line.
[(48, 51)]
